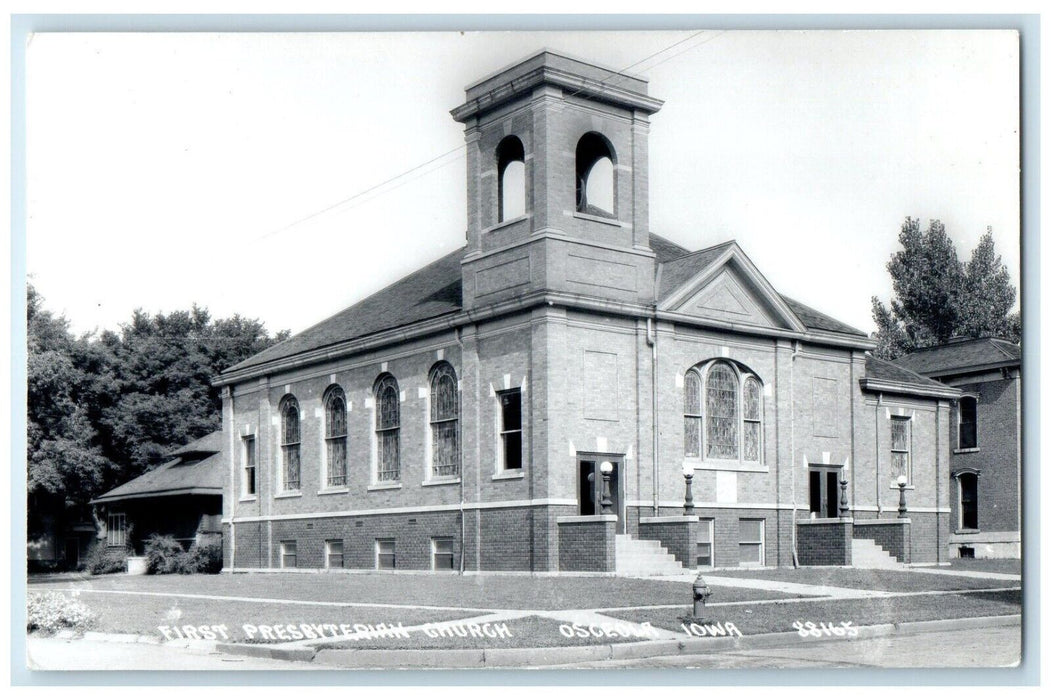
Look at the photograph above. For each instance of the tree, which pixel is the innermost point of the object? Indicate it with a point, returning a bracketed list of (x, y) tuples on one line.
[(937, 298)]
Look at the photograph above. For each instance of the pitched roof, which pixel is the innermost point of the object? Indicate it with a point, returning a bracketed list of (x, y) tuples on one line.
[(962, 355), (877, 370), (196, 468), (819, 321), (433, 290), (436, 290)]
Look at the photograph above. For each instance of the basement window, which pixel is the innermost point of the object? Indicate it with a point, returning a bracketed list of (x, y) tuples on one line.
[(334, 554), (442, 553), (385, 554), (288, 554)]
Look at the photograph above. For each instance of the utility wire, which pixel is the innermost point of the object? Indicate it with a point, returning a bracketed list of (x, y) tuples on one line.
[(399, 176)]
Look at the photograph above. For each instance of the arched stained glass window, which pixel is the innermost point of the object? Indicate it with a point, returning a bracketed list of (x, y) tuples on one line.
[(722, 413), (388, 416), (290, 443), (336, 436), (753, 417), (692, 417), (721, 405), (444, 421)]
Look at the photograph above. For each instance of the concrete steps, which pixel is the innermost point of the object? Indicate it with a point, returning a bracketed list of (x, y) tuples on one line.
[(644, 558), (866, 554)]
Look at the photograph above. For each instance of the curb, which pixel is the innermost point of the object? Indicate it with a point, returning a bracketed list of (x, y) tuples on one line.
[(546, 656)]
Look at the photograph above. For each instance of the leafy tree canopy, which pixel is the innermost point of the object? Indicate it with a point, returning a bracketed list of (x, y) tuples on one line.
[(103, 408), (936, 297)]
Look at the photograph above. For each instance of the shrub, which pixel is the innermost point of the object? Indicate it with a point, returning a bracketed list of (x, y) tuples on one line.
[(51, 611), (106, 560), (164, 555), (207, 558)]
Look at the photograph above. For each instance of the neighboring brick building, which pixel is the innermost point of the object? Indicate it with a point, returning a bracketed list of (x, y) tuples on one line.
[(986, 441), (461, 417)]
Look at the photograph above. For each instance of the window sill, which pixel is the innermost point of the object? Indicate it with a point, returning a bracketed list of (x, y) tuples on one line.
[(966, 450), (441, 481), (598, 219), (383, 487), (966, 531), (729, 466), (505, 224), (289, 494), (509, 474), (247, 499), (333, 490)]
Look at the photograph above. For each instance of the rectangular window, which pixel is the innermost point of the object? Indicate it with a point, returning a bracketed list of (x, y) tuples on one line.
[(900, 443), (116, 530), (385, 554), (248, 455), (442, 553), (751, 541), (288, 554), (511, 427), (968, 438), (706, 544), (334, 554)]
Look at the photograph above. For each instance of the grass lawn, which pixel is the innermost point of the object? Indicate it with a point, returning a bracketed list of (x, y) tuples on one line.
[(779, 617), (477, 592), (911, 580), (1000, 566)]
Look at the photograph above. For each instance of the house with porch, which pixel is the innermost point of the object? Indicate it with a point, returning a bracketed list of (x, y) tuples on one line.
[(572, 392)]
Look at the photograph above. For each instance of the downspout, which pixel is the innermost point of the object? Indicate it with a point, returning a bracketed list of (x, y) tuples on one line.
[(879, 498), (792, 436), (459, 395), (651, 340)]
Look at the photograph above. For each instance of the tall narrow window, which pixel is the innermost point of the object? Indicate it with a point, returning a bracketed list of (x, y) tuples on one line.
[(692, 417), (510, 156), (596, 194), (336, 436), (511, 427), (290, 443), (899, 447), (388, 416), (753, 416), (445, 414), (705, 543), (968, 485), (116, 530), (968, 423), (721, 405), (248, 455)]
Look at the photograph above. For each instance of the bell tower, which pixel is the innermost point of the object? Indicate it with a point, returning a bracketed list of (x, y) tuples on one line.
[(557, 183)]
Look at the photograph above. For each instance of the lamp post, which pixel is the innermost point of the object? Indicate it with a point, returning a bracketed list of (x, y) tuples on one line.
[(687, 506), (902, 509), (607, 503)]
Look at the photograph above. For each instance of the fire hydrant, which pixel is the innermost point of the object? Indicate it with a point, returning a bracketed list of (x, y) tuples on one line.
[(701, 592)]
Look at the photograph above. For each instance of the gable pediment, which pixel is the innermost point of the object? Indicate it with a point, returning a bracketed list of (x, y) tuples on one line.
[(731, 289)]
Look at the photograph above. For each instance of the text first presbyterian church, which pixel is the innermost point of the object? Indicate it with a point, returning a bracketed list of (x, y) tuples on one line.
[(538, 400)]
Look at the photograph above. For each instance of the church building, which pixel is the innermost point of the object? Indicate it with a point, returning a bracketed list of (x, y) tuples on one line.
[(571, 392)]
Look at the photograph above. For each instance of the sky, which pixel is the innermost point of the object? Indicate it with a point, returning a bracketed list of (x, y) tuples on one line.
[(265, 174)]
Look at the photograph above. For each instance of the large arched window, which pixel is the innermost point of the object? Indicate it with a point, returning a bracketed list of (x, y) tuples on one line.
[(336, 436), (510, 166), (444, 422), (722, 413), (290, 443), (388, 416), (968, 435), (595, 160)]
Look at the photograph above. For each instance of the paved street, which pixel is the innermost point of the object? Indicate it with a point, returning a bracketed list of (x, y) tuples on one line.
[(996, 646)]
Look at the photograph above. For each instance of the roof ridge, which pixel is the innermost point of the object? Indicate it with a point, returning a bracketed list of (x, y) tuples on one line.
[(702, 250), (917, 375)]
